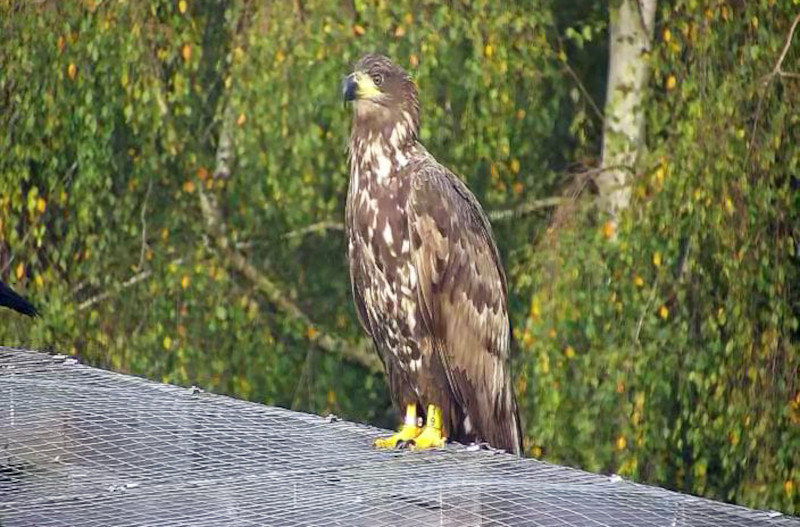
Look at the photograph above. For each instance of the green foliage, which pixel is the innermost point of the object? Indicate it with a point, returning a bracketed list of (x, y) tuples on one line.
[(667, 351), (105, 153), (678, 369)]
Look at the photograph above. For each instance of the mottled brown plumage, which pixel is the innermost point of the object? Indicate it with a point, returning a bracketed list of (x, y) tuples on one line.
[(426, 275)]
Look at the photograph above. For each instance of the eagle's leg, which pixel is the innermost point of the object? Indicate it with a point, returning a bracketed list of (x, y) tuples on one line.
[(431, 436), (407, 432)]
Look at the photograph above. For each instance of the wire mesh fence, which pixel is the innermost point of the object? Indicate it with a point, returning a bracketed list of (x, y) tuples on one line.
[(86, 447)]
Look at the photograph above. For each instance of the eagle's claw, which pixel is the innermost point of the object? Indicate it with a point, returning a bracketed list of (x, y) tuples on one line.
[(400, 439), (430, 437)]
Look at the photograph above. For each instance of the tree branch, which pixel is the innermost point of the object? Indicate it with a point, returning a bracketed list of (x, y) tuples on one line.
[(524, 209), (767, 79), (130, 282), (320, 226), (360, 352)]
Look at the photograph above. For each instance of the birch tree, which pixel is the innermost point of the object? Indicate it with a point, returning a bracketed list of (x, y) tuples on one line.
[(630, 35)]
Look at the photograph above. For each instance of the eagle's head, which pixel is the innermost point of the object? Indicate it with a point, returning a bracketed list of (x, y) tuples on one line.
[(384, 96)]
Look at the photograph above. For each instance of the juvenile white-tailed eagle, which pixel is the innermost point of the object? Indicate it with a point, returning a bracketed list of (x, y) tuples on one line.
[(426, 276)]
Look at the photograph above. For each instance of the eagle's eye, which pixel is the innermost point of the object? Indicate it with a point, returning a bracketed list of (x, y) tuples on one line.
[(377, 78)]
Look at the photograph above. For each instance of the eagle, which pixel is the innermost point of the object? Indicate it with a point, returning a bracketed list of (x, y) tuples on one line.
[(426, 275)]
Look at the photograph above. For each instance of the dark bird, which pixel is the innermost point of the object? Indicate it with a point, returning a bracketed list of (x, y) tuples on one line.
[(426, 275), (9, 298)]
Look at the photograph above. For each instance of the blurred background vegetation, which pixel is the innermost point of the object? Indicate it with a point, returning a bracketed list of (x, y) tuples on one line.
[(172, 183)]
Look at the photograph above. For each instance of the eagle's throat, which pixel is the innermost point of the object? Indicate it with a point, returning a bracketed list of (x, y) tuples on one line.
[(380, 152)]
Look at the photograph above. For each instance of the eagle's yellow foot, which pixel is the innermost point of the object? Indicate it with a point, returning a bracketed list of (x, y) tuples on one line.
[(407, 432), (431, 436)]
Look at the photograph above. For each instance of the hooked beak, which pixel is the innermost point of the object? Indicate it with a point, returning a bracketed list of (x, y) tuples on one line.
[(349, 87)]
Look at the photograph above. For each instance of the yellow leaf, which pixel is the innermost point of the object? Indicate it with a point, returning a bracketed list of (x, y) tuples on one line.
[(788, 487), (666, 35), (621, 443), (188, 186), (487, 51), (312, 332), (20, 271), (182, 6), (515, 166), (520, 114), (399, 32), (186, 52), (358, 30), (167, 343), (728, 206), (413, 60), (569, 352), (39, 281), (185, 281), (72, 71), (657, 259), (639, 281), (663, 312), (241, 119), (536, 451), (671, 82), (552, 333), (608, 230), (41, 205)]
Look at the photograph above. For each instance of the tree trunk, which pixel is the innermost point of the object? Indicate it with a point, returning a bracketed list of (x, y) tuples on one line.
[(630, 35)]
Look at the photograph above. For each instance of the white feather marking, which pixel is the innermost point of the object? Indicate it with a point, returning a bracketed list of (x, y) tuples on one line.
[(387, 234), (412, 275), (404, 247), (415, 364), (467, 424)]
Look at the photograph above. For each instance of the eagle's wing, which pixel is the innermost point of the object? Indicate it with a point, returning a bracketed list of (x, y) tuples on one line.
[(354, 258), (463, 300)]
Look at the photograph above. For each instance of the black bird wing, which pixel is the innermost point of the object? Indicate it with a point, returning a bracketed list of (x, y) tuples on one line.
[(11, 299), (464, 301)]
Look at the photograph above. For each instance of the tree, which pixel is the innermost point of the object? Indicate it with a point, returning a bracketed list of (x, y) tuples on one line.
[(630, 36)]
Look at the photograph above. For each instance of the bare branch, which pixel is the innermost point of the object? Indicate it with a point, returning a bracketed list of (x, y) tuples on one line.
[(130, 282), (766, 81), (360, 352), (646, 310), (143, 218), (524, 209), (320, 226), (584, 91)]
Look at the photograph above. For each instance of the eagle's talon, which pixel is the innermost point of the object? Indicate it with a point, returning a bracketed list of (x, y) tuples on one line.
[(400, 439), (431, 436)]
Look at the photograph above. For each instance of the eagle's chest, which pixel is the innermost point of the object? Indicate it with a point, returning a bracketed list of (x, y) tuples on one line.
[(380, 248)]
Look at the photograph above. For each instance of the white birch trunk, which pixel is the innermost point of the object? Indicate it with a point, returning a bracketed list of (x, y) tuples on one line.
[(631, 36)]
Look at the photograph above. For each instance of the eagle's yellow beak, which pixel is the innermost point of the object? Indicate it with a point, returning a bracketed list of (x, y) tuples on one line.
[(359, 85)]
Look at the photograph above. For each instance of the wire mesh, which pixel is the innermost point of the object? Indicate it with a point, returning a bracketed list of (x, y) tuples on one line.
[(86, 447)]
